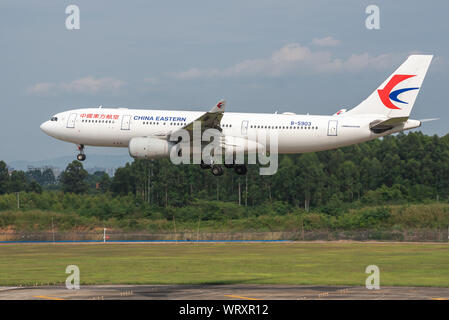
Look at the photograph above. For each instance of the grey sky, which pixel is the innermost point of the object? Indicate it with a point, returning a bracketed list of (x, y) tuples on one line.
[(189, 54)]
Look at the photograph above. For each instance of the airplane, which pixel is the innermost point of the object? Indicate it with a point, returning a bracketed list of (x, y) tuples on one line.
[(146, 133)]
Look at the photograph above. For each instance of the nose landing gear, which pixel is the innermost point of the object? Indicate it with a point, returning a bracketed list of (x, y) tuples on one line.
[(81, 156)]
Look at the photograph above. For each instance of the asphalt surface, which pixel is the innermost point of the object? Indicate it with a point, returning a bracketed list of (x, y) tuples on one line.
[(222, 292)]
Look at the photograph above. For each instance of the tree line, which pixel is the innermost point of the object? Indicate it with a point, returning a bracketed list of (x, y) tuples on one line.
[(402, 168)]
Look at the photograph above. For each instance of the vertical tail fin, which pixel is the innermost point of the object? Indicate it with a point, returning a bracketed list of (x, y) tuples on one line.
[(395, 96)]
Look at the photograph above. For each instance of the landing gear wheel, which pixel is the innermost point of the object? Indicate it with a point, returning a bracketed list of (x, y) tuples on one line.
[(81, 156), (240, 169), (204, 165), (217, 170)]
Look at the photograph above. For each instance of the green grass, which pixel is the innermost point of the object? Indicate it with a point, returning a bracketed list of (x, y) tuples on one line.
[(401, 264)]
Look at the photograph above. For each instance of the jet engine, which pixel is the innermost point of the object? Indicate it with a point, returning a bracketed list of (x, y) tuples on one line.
[(149, 148)]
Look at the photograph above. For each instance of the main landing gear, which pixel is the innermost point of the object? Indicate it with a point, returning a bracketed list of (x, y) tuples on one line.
[(217, 170), (240, 169), (81, 156)]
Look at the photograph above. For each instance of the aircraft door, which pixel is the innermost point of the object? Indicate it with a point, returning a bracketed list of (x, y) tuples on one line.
[(126, 122), (244, 127), (71, 120), (332, 128)]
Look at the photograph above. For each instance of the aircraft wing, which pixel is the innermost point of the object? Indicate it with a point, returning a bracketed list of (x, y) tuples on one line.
[(210, 119)]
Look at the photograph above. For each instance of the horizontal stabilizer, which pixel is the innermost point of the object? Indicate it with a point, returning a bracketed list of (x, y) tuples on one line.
[(428, 120), (379, 126), (396, 124)]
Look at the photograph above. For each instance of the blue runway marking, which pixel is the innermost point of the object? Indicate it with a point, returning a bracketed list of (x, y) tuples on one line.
[(114, 241)]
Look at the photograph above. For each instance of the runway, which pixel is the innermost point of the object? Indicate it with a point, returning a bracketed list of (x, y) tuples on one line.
[(221, 292)]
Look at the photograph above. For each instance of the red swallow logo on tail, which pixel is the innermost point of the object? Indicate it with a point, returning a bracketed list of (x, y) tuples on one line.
[(386, 95)]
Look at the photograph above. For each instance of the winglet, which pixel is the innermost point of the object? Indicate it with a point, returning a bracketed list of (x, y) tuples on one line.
[(340, 112), (219, 107)]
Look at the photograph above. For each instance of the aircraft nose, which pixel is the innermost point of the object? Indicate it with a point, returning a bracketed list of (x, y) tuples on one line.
[(45, 126)]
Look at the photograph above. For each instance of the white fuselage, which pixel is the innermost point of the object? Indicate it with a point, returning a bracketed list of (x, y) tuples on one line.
[(112, 127), (385, 111)]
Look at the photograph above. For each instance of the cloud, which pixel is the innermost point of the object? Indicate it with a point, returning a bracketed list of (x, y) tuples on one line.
[(151, 80), (294, 59), (87, 85), (41, 87), (326, 42)]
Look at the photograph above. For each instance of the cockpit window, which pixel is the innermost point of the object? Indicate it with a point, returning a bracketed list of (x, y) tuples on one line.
[(54, 119)]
